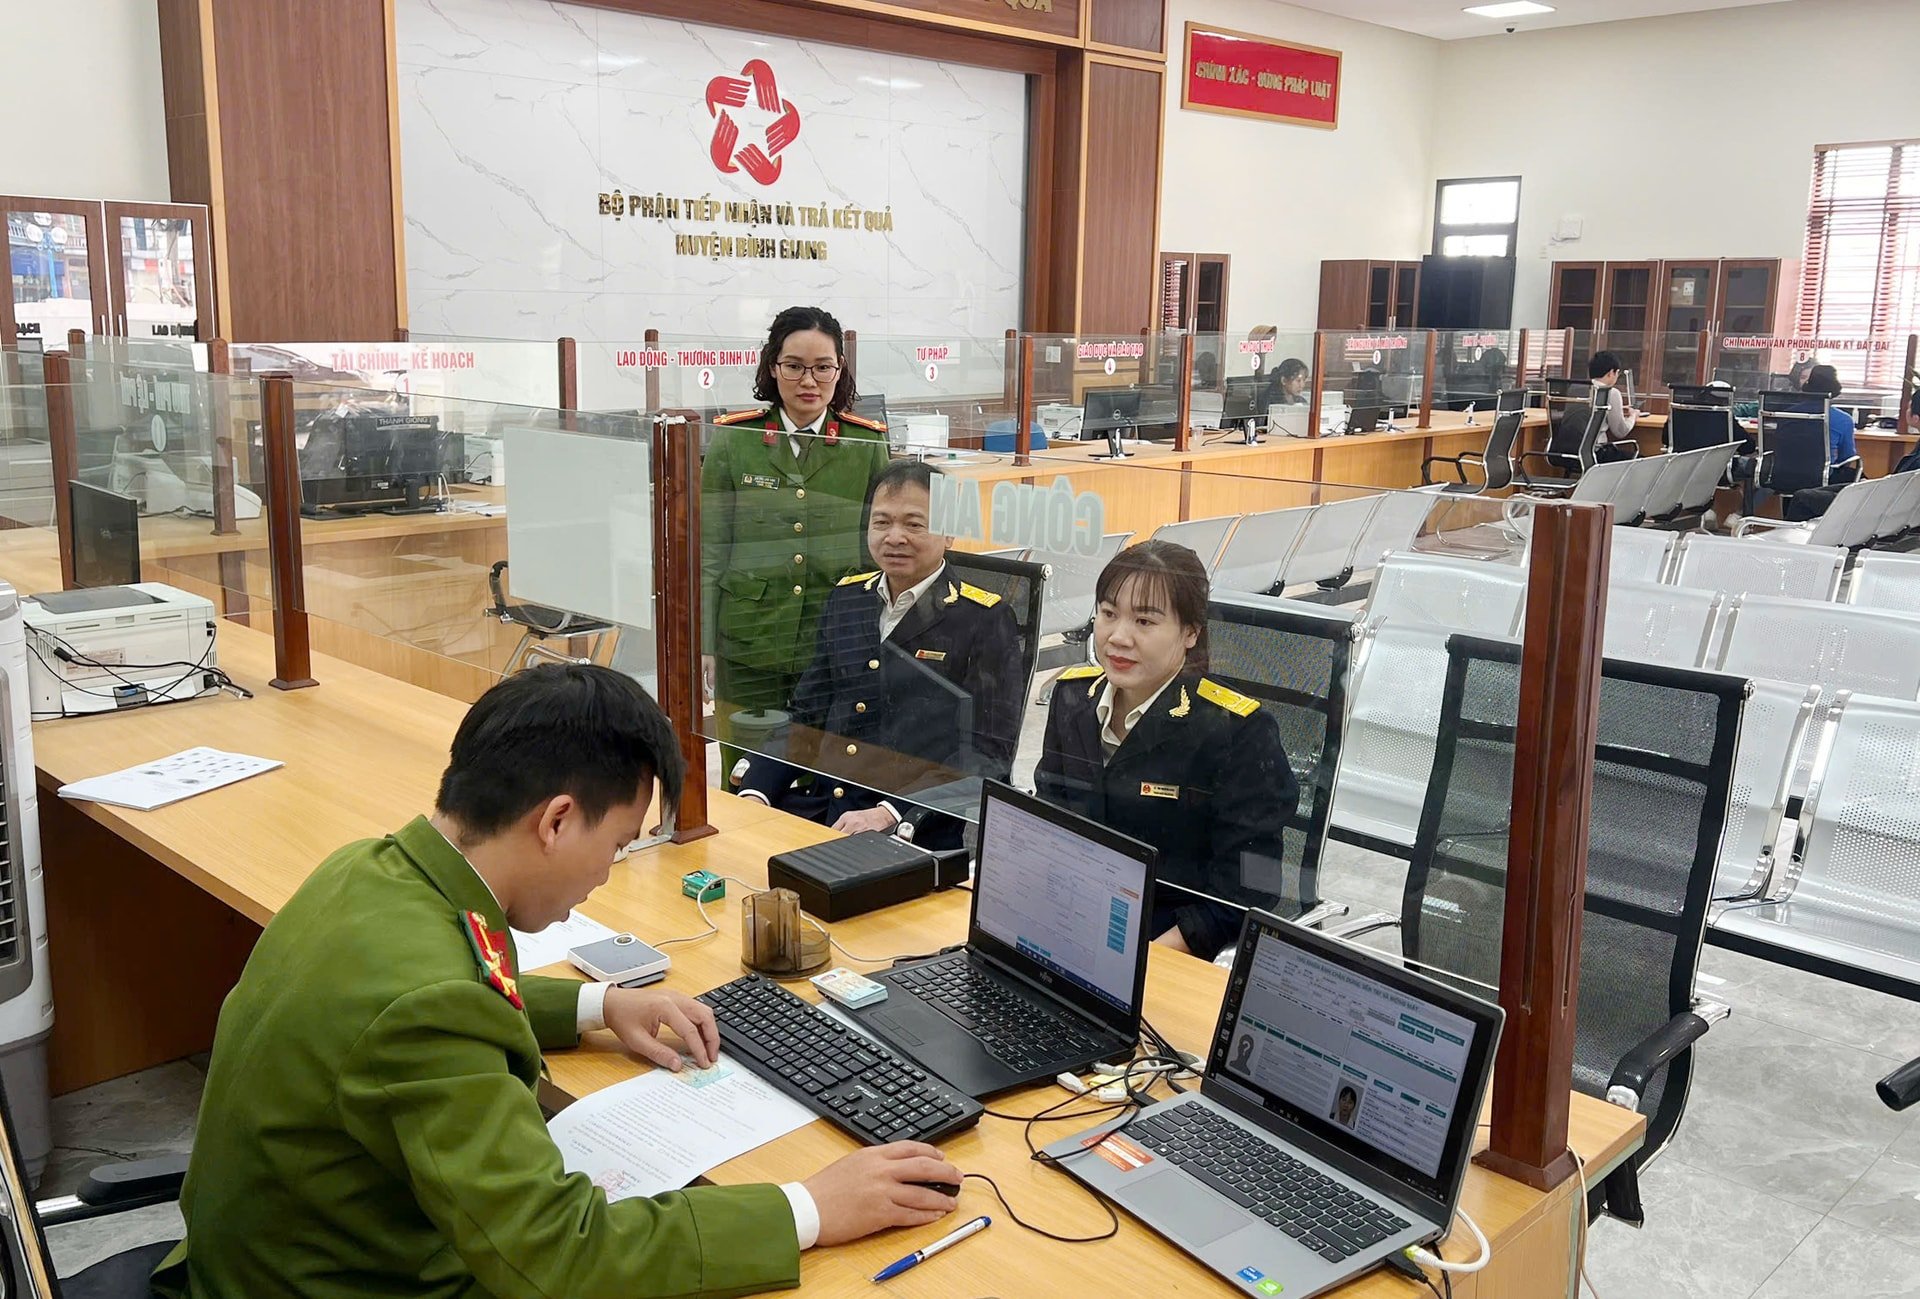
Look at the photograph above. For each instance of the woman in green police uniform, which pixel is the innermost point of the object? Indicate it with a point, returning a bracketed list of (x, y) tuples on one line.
[(781, 492)]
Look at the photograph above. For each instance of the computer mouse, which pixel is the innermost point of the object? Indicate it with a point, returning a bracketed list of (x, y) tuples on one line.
[(945, 1188)]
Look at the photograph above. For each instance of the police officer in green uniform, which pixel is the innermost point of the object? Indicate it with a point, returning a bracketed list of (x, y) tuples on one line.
[(369, 1125), (1148, 744), (781, 490)]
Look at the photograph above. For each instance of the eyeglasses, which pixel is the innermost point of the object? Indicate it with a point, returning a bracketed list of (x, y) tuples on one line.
[(822, 372)]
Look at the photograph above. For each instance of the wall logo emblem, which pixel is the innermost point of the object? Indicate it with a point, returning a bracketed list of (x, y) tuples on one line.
[(774, 123)]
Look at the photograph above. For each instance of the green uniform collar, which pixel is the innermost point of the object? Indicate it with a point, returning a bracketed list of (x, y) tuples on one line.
[(448, 870)]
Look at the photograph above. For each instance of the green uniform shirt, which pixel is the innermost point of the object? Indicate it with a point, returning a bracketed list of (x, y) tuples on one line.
[(369, 1124), (777, 532)]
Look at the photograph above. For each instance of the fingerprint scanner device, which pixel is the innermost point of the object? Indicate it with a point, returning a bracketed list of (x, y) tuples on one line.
[(1052, 974), (703, 885), (622, 959), (1333, 1125), (108, 647), (856, 874)]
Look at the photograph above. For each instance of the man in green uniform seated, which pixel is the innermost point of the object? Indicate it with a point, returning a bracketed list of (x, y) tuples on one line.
[(369, 1124)]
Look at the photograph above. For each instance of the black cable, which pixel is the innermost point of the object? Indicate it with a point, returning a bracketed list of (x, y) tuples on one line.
[(65, 651), (1113, 1219)]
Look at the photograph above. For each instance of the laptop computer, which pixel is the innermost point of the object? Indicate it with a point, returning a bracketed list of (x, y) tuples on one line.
[(1333, 1125), (1052, 974)]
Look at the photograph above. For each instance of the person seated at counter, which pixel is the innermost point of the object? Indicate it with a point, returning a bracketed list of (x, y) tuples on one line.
[(1145, 742), (1823, 382), (1616, 440), (918, 681), (370, 1124), (1287, 386)]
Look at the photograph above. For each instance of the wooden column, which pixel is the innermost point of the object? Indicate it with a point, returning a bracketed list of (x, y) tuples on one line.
[(1319, 383), (652, 338), (1547, 847), (853, 356), (569, 355), (676, 551), (1703, 366), (292, 646), (1023, 404), (66, 459), (77, 343), (1011, 369), (1520, 366), (1183, 400), (1426, 388), (1566, 354)]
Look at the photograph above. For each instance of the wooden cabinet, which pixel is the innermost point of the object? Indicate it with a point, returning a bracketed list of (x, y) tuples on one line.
[(1369, 294), (1193, 292)]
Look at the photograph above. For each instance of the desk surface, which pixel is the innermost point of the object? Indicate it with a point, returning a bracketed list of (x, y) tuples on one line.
[(363, 753), (165, 537)]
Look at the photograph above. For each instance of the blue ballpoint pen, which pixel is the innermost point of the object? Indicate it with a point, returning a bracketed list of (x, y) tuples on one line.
[(920, 1256)]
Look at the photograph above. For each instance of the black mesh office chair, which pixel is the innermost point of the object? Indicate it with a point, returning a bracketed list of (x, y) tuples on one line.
[(1795, 449), (1663, 767), (26, 1264), (1573, 433), (1295, 663), (1698, 418), (1022, 586), (1495, 463), (537, 622)]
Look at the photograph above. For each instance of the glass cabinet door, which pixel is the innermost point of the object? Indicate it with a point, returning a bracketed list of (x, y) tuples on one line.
[(1379, 295), (1576, 295), (1687, 304), (159, 268), (1748, 295), (1406, 294), (56, 271), (1629, 315)]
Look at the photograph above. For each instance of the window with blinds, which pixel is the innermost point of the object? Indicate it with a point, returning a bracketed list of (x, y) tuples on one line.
[(1863, 255)]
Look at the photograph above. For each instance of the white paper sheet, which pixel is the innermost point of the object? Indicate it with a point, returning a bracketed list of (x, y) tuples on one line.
[(661, 1130), (168, 780), (551, 943)]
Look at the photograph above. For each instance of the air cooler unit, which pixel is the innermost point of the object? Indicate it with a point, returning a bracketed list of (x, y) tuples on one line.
[(26, 990)]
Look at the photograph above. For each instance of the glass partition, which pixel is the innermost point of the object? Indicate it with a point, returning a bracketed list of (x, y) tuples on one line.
[(1254, 386), (1868, 367), (1374, 380), (1117, 389), (1472, 367), (26, 461), (517, 371), (710, 376), (938, 393)]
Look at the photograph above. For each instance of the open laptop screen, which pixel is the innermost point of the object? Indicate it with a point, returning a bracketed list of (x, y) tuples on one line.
[(1064, 900), (1385, 1064)]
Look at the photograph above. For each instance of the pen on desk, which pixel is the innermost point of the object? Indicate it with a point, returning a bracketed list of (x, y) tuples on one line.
[(920, 1256)]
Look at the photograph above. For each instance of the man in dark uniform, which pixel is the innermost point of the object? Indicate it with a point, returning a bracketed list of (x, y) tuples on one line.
[(918, 681), (1202, 776)]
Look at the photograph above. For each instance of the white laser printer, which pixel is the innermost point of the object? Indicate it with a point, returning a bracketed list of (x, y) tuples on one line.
[(101, 648)]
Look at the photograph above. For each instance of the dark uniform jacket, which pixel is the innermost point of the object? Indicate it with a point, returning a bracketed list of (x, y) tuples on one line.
[(370, 1127), (777, 532), (1203, 777), (937, 701)]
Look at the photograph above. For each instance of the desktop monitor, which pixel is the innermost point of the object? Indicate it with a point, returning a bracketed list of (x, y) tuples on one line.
[(106, 536), (1106, 409), (1242, 399), (1368, 402), (367, 460)]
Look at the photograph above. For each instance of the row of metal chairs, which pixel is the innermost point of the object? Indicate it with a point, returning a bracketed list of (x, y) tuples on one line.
[(1867, 512), (1678, 485), (1758, 566)]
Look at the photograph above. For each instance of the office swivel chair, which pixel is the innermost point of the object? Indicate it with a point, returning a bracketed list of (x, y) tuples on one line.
[(538, 623), (1663, 768), (1795, 451), (1022, 587), (26, 1263), (1495, 463), (1900, 1088), (1572, 435)]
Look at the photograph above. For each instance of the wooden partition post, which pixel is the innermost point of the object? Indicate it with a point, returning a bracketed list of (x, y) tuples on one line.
[(292, 646), (1426, 388), (677, 642), (1703, 366), (1183, 399), (1023, 404), (220, 410), (1907, 378), (62, 446), (77, 343), (1319, 383), (1013, 360), (853, 355), (1566, 354), (569, 356), (1149, 357), (1520, 366), (652, 380), (1559, 714)]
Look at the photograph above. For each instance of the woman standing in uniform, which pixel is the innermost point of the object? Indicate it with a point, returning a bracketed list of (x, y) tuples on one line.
[(1145, 743), (781, 493)]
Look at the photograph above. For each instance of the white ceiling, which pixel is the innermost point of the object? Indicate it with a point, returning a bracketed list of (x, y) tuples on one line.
[(1443, 18)]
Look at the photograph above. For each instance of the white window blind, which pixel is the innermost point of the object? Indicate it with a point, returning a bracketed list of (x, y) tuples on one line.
[(1863, 255)]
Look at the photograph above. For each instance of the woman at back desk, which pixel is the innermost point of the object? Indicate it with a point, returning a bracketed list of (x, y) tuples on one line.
[(1146, 743)]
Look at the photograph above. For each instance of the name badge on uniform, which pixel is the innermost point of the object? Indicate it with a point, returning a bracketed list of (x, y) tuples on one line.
[(932, 656), (1149, 789), (758, 480)]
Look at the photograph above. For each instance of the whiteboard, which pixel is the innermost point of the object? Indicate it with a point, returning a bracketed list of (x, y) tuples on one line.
[(580, 523)]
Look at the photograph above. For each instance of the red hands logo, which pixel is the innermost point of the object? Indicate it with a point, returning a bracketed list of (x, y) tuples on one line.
[(761, 163)]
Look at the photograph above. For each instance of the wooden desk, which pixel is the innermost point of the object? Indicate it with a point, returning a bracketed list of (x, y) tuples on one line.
[(363, 753)]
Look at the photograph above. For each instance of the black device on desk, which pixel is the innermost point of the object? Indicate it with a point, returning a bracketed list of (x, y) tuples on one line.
[(1240, 404), (1366, 401), (360, 461), (853, 1082), (1333, 1126), (106, 536), (1052, 975), (1109, 413), (863, 872)]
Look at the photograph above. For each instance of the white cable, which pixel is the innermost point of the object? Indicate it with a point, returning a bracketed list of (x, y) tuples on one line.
[(1428, 1258), (1580, 1257)]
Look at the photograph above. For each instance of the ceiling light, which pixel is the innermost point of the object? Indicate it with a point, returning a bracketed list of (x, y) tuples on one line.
[(1516, 9)]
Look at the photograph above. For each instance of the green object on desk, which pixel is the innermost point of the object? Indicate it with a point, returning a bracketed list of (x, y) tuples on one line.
[(704, 886)]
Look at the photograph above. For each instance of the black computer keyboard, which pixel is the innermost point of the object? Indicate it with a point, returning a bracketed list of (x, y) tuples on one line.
[(846, 1078), (1331, 1219), (1018, 1033)]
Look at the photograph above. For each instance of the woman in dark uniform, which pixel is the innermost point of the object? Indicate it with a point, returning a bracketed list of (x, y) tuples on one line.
[(781, 492), (1147, 744)]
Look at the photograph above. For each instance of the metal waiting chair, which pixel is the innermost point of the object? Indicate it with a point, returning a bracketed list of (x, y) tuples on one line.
[(1851, 906), (1323, 554), (1636, 483), (1654, 623), (1640, 554), (538, 624), (1437, 591), (1396, 525), (1712, 469), (1204, 537), (1495, 463), (1741, 566), (1257, 550), (1903, 507), (1662, 769), (1890, 582), (1070, 578), (1294, 658), (1670, 488), (1848, 520), (1774, 725)]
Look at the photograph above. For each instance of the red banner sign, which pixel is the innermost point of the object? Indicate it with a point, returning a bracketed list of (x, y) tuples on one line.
[(1252, 76)]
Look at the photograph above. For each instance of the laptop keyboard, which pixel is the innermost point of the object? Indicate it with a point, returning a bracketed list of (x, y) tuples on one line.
[(847, 1079), (1326, 1216), (1021, 1035)]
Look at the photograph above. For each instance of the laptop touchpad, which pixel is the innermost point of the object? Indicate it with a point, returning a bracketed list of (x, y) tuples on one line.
[(1192, 1214)]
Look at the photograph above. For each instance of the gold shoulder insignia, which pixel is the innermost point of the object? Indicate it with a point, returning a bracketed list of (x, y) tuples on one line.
[(1231, 700), (861, 421), (987, 599), (1081, 671), (851, 578), (739, 416), (1184, 707)]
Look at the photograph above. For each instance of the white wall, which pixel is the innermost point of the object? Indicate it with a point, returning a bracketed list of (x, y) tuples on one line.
[(1699, 151), (83, 79), (1280, 198)]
